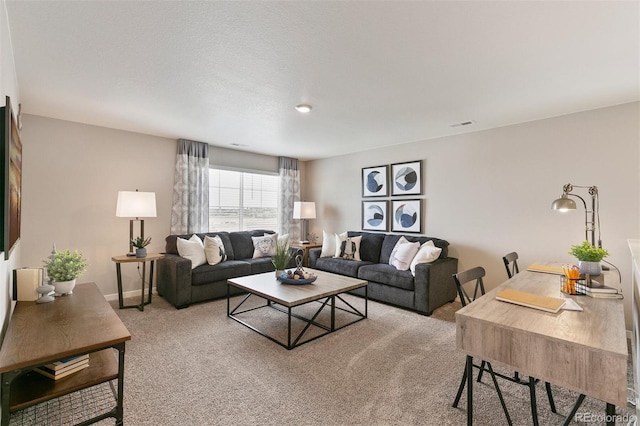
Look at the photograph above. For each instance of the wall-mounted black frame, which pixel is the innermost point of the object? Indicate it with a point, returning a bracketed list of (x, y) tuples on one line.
[(375, 181), (406, 215), (11, 183), (406, 178), (375, 215)]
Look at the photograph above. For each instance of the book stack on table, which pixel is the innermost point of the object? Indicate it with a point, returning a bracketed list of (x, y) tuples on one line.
[(63, 368), (602, 292)]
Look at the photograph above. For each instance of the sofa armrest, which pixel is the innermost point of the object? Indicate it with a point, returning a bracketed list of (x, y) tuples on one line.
[(174, 280), (434, 284), (314, 255)]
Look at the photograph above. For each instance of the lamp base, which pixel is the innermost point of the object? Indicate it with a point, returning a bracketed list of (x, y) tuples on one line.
[(132, 254), (304, 242)]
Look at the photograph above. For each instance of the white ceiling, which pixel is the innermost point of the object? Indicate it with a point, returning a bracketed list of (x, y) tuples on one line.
[(377, 73)]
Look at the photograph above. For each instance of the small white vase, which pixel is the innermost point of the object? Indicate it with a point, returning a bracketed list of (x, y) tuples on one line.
[(592, 268), (64, 287)]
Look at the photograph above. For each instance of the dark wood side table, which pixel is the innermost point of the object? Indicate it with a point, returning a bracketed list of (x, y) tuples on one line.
[(305, 250), (151, 257), (38, 334)]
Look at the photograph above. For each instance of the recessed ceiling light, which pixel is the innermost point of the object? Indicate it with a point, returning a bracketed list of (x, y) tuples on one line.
[(303, 108)]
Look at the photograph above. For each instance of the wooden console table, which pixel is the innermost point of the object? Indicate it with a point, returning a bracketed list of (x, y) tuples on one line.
[(72, 325)]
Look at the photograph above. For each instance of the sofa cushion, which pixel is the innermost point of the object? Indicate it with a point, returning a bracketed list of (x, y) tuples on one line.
[(387, 274), (264, 246), (370, 245), (243, 244), (172, 248), (207, 274), (350, 248), (428, 253), (214, 250), (403, 253), (328, 244), (192, 249), (261, 265), (340, 266), (390, 242)]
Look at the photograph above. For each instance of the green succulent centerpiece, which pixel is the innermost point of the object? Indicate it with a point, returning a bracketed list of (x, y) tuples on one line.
[(588, 253), (282, 257), (65, 265), (589, 258)]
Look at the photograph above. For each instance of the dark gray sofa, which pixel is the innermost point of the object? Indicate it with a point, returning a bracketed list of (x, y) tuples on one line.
[(181, 285), (431, 287)]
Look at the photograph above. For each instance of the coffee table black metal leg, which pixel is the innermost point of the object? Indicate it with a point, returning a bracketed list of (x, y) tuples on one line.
[(289, 329)]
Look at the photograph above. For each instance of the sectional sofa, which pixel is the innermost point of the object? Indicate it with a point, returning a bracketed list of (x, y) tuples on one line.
[(431, 287)]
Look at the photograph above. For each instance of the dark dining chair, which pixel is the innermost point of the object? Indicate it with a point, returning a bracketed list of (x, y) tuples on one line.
[(511, 263), (476, 274), (460, 279)]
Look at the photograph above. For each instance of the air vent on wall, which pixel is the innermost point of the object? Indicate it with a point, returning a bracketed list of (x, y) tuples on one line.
[(464, 123)]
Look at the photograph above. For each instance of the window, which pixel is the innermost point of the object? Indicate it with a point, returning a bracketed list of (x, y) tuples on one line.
[(241, 201)]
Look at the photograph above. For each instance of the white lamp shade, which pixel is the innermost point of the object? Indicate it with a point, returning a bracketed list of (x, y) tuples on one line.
[(304, 210), (136, 204)]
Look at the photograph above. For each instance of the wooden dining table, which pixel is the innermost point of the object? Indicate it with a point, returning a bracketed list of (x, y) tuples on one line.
[(584, 351)]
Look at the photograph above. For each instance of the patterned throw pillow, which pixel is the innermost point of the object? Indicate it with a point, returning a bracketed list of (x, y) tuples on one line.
[(350, 248), (214, 250), (264, 246), (192, 249), (403, 253)]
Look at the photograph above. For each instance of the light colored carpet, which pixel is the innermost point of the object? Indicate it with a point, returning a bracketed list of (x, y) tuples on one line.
[(196, 366)]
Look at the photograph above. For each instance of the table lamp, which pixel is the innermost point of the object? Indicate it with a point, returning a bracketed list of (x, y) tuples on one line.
[(136, 205), (304, 210), (564, 204)]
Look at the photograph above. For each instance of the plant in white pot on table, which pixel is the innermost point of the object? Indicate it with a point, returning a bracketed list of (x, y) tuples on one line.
[(589, 258), (63, 267), (140, 244)]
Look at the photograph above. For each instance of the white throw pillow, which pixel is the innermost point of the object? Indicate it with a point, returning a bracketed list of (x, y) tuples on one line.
[(214, 250), (283, 239), (350, 248), (403, 253), (428, 253), (338, 238), (192, 249), (264, 246), (328, 244)]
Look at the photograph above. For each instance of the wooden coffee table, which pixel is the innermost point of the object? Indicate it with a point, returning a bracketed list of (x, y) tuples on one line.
[(284, 297)]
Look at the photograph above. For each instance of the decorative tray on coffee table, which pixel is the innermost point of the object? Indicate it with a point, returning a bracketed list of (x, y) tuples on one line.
[(283, 278)]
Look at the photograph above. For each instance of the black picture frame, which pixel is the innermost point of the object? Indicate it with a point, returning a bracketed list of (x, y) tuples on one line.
[(406, 215), (11, 183), (375, 215), (375, 181), (406, 178)]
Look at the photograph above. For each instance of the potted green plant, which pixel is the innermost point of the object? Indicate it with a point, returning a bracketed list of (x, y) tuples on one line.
[(589, 258), (63, 267), (282, 257), (140, 243)]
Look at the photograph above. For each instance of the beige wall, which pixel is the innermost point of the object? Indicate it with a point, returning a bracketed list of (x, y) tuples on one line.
[(71, 177), (489, 193)]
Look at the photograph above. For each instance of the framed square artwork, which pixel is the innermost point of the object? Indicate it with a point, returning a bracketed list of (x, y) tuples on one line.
[(406, 178), (375, 181), (406, 215), (374, 215)]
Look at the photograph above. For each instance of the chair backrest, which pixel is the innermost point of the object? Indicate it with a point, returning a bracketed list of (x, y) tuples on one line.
[(461, 278), (511, 263)]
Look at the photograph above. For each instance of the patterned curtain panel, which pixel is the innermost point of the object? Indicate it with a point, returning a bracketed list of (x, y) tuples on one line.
[(289, 193), (190, 211)]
